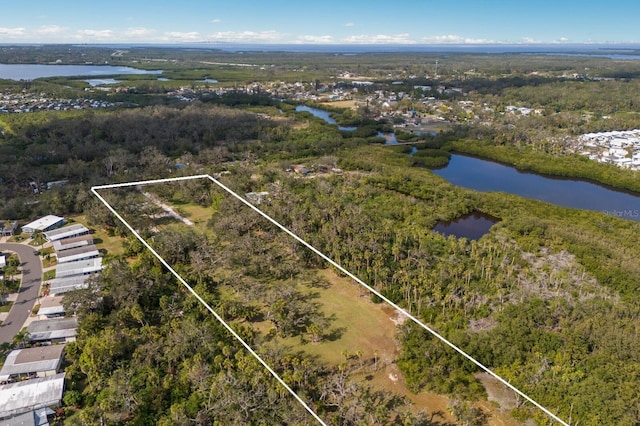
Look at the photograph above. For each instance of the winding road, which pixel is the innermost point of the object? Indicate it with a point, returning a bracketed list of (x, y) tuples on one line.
[(29, 290)]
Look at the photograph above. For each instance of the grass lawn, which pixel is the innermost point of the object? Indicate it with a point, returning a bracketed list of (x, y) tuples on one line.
[(196, 213), (49, 275), (18, 238), (46, 250), (6, 307), (103, 241), (361, 324), (365, 326), (48, 261)]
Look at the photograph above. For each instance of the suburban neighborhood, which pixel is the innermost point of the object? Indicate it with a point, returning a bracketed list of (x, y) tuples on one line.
[(621, 148), (36, 327)]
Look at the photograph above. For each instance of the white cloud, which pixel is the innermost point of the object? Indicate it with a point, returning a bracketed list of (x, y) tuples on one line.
[(216, 21), (561, 40), (96, 34), (138, 32), (530, 40), (50, 30), (246, 36), (12, 32), (324, 39), (182, 36), (349, 24), (454, 39), (379, 39)]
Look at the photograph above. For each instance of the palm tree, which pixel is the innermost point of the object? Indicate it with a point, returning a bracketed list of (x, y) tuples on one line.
[(39, 237)]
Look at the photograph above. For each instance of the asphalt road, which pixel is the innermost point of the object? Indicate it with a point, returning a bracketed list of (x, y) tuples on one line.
[(29, 289)]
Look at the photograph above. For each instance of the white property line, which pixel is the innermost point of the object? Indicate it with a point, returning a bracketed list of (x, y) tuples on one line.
[(323, 256), (192, 291)]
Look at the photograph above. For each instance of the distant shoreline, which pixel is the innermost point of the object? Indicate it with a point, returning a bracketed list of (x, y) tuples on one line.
[(595, 49)]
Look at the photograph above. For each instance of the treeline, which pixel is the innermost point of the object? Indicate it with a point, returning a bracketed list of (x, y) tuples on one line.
[(89, 148)]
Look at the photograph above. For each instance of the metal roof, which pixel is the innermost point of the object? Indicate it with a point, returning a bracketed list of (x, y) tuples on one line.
[(73, 242), (50, 301), (80, 267), (33, 418), (51, 329), (51, 310), (78, 253), (29, 395), (65, 284), (32, 360), (66, 232), (43, 223)]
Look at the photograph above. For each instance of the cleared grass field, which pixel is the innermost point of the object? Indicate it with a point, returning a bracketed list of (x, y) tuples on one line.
[(365, 326), (110, 244), (196, 213)]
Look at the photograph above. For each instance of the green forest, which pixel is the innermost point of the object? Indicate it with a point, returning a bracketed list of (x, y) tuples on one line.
[(548, 298)]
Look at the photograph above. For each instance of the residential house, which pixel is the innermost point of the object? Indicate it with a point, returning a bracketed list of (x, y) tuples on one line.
[(39, 361), (80, 267), (43, 224), (65, 284), (78, 253), (8, 227), (53, 330), (73, 242), (29, 395), (70, 231), (51, 307), (39, 417)]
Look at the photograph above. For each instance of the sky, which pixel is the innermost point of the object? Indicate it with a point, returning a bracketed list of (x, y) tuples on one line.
[(323, 22)]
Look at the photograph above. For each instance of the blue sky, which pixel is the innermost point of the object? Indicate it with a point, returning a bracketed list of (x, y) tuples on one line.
[(324, 22)]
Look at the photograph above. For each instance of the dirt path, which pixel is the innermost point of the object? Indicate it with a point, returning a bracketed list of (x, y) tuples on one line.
[(167, 209)]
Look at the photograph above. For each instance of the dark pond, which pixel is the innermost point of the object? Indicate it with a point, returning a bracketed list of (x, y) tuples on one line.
[(471, 226), (484, 175)]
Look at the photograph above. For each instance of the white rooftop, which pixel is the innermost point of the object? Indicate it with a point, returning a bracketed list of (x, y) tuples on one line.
[(28, 395), (66, 232), (81, 267), (44, 222), (65, 284)]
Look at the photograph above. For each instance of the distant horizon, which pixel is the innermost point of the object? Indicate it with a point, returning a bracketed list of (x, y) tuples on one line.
[(345, 48), (335, 22)]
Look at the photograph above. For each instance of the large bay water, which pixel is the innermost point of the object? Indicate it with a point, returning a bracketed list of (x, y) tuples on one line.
[(33, 71), (484, 175)]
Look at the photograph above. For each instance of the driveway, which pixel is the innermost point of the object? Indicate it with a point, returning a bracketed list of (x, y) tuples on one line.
[(29, 290)]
